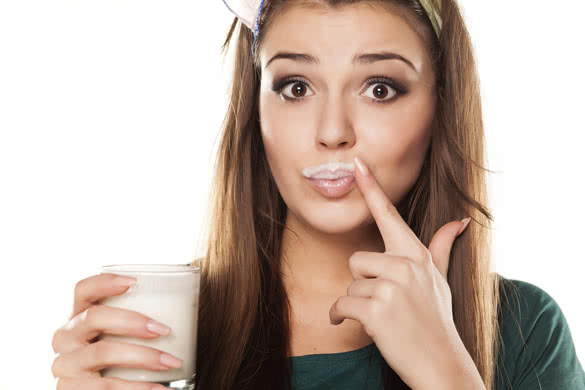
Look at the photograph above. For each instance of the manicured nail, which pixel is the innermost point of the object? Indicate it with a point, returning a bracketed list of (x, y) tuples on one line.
[(124, 281), (465, 223), (157, 327), (170, 361), (361, 166)]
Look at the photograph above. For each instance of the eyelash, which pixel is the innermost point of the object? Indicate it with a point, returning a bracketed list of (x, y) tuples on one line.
[(400, 89)]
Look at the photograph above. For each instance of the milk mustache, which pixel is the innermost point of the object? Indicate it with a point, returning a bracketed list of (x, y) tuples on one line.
[(168, 294)]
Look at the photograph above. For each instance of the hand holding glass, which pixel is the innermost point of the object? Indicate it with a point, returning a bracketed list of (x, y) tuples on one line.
[(168, 294)]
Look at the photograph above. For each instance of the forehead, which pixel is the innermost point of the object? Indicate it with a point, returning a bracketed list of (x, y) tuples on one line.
[(337, 34)]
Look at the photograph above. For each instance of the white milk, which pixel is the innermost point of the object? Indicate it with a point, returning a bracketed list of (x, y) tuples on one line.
[(168, 294)]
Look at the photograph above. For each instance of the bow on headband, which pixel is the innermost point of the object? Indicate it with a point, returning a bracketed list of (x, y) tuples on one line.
[(248, 11)]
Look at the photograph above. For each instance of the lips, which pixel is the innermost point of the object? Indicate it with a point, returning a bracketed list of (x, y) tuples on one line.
[(332, 175), (335, 188), (332, 179)]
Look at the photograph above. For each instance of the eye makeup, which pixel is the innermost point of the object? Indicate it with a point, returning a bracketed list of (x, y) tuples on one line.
[(280, 83)]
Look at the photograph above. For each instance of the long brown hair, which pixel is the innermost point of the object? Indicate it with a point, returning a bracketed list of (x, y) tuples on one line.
[(243, 333)]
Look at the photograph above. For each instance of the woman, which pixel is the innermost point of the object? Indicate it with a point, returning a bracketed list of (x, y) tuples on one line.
[(319, 275)]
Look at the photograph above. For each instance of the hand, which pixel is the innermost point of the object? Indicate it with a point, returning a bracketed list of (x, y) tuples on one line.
[(79, 357), (402, 298)]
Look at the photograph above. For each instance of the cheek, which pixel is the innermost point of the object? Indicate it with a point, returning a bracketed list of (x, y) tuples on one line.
[(408, 143), (399, 139), (399, 143), (398, 159), (409, 158), (284, 134)]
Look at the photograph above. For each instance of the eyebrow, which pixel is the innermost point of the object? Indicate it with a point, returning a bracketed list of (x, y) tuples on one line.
[(363, 59)]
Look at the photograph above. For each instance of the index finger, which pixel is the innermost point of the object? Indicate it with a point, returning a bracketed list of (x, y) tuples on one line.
[(90, 290), (394, 230)]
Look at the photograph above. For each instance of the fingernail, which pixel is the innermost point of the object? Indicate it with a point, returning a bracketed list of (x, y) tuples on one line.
[(465, 223), (124, 281), (361, 166), (170, 361), (157, 327)]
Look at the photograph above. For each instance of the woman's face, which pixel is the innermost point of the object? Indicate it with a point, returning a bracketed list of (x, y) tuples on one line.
[(340, 112)]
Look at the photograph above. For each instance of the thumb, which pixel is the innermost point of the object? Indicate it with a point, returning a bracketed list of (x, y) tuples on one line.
[(442, 242)]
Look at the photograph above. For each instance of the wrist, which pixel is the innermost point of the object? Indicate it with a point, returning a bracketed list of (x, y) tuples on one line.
[(463, 373), (460, 370)]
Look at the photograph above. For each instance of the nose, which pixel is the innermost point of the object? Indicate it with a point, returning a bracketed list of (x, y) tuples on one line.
[(335, 128)]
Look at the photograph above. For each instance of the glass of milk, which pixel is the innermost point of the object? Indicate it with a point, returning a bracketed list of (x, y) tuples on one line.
[(168, 293)]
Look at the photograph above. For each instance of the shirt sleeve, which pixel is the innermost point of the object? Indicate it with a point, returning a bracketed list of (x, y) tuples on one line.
[(546, 358)]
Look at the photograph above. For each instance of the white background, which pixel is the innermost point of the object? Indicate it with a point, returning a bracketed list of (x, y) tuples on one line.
[(109, 113)]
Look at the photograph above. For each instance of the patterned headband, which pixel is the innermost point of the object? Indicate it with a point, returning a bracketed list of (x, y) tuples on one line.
[(249, 11)]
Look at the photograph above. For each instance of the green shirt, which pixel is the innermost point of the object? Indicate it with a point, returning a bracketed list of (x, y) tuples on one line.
[(547, 362)]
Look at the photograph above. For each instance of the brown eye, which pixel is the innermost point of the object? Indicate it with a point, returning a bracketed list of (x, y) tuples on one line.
[(295, 90), (298, 90), (381, 91)]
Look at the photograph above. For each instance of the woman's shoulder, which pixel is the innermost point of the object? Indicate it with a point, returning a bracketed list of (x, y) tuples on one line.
[(536, 345), (529, 291), (529, 309), (526, 301)]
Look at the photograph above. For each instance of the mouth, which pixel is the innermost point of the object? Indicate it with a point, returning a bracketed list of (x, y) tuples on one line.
[(333, 188)]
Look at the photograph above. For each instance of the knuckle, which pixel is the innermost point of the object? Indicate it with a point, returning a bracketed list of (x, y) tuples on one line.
[(384, 290), (427, 259), (101, 351), (79, 287), (351, 288), (426, 255), (407, 271), (56, 340), (353, 259), (340, 304), (56, 366), (91, 314)]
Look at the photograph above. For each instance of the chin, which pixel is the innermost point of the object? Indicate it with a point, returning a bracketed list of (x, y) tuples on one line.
[(334, 218)]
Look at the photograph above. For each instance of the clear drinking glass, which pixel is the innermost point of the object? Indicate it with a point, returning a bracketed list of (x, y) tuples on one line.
[(168, 293)]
